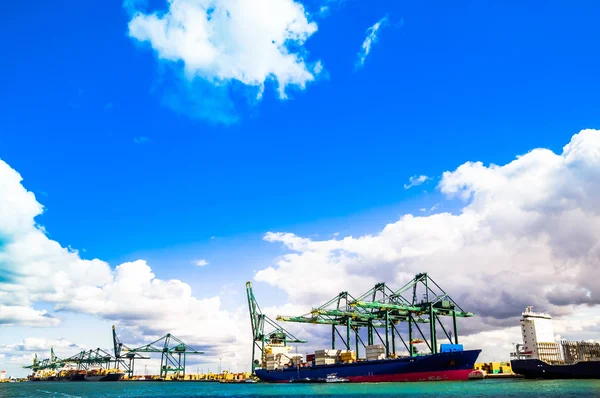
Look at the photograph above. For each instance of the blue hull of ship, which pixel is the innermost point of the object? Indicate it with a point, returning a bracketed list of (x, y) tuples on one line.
[(435, 367)]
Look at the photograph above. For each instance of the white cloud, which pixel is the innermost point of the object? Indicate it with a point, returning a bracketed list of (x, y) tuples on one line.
[(323, 11), (25, 316), (371, 39), (221, 41), (37, 269), (495, 344), (415, 181), (200, 263), (35, 344), (527, 234)]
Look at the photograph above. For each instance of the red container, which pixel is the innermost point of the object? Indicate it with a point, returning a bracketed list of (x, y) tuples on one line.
[(310, 357)]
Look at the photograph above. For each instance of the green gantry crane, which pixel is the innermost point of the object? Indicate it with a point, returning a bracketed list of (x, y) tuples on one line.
[(384, 308), (173, 354), (49, 363), (124, 355), (98, 358), (264, 330), (426, 299)]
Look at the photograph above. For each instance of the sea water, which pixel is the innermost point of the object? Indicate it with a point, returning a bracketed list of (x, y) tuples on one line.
[(481, 388)]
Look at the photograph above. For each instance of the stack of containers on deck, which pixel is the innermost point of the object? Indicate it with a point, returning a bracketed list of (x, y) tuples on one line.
[(297, 359), (375, 352), (326, 357), (348, 356), (276, 357)]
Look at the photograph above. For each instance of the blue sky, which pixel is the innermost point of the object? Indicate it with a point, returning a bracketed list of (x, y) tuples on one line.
[(123, 176), (465, 81)]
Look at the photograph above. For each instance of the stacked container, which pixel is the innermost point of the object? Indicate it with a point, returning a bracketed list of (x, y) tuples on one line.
[(276, 357), (326, 357), (276, 361), (297, 359), (348, 356), (375, 352)]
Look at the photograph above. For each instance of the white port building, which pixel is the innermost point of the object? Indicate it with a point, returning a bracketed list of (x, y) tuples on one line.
[(538, 336)]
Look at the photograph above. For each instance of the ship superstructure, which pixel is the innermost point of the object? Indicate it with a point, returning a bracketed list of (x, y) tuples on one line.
[(538, 336)]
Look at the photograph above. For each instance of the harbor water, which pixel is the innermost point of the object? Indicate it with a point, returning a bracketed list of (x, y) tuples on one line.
[(484, 388)]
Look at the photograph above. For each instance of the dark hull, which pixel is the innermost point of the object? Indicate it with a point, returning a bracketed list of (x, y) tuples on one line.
[(108, 377), (51, 378), (82, 377), (536, 369), (436, 367), (71, 377)]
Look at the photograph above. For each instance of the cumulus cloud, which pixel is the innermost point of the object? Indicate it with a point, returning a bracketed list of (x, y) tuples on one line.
[(31, 345), (224, 42), (38, 269), (371, 39), (527, 234), (25, 316), (415, 181)]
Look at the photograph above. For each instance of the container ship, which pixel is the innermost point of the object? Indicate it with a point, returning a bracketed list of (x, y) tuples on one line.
[(417, 309), (540, 357)]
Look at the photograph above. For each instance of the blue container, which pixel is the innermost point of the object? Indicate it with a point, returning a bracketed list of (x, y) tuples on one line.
[(451, 347)]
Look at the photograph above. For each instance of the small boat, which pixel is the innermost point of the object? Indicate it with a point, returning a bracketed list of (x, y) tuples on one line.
[(332, 378), (249, 381)]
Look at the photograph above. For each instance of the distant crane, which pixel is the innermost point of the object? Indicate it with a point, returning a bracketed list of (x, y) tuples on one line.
[(173, 354)]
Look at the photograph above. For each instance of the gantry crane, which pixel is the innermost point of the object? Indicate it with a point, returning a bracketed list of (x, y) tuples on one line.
[(173, 354), (426, 299), (123, 354), (98, 358), (48, 363), (383, 308), (265, 331)]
